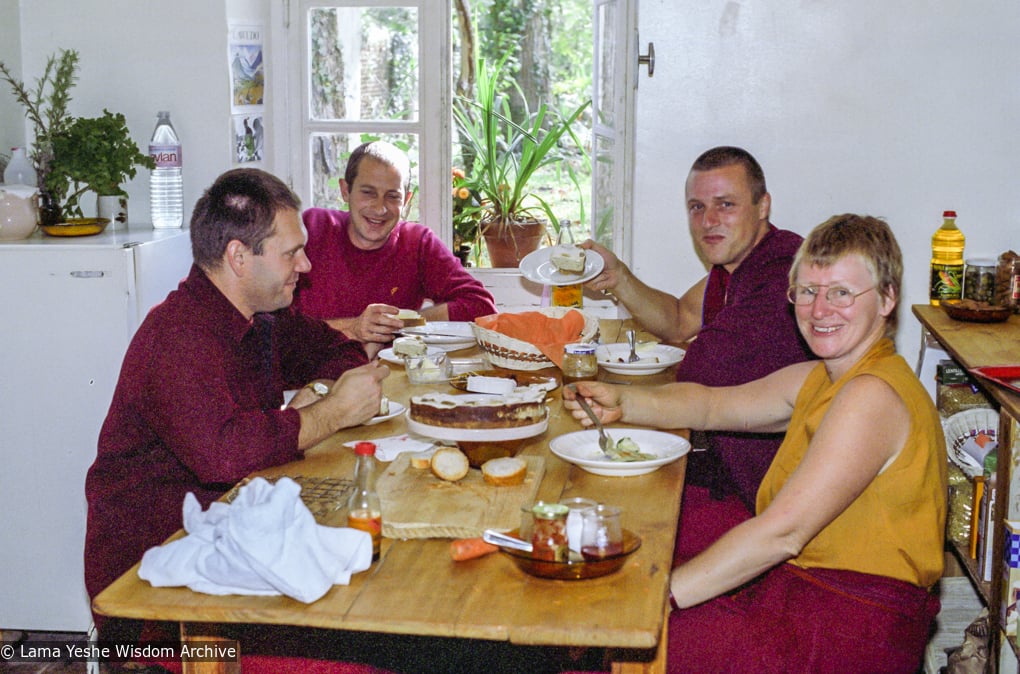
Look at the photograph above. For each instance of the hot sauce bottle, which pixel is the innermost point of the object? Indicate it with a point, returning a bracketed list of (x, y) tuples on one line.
[(363, 509)]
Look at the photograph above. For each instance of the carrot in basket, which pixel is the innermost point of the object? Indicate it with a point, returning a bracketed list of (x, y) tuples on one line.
[(463, 549)]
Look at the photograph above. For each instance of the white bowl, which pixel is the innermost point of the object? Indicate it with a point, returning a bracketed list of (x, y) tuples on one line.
[(582, 449), (654, 359)]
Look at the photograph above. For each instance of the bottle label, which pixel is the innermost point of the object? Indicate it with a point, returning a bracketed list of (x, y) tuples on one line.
[(946, 281), (166, 156)]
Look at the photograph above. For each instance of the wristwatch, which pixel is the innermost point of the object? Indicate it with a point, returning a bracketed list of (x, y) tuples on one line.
[(318, 388)]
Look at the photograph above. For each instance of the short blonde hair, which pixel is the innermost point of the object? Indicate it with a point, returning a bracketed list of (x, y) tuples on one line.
[(864, 235)]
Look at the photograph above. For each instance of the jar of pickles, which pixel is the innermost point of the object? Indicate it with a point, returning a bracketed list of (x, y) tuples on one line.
[(979, 280)]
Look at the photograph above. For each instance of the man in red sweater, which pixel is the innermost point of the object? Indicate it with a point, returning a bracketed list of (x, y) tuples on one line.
[(741, 319), (367, 263), (198, 405)]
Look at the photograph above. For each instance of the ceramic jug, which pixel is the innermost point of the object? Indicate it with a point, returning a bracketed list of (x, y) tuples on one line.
[(19, 211)]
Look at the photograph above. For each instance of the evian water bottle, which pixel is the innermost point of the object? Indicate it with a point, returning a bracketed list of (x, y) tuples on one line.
[(166, 186)]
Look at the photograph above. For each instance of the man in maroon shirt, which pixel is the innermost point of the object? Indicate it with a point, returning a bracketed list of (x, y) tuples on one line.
[(739, 314), (367, 262), (199, 402)]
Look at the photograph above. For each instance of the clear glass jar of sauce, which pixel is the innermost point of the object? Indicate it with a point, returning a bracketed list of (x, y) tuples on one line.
[(579, 362)]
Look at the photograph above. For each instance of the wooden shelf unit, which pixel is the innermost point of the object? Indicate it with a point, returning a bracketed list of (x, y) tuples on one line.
[(976, 345)]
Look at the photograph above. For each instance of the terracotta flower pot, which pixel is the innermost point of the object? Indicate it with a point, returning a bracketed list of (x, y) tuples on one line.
[(508, 244)]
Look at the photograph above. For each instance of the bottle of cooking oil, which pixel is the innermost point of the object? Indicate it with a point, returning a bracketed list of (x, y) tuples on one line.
[(946, 261)]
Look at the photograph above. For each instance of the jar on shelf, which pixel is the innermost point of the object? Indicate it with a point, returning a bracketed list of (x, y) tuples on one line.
[(979, 280)]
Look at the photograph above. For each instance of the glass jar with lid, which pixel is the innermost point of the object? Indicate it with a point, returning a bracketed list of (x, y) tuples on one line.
[(579, 362), (979, 280)]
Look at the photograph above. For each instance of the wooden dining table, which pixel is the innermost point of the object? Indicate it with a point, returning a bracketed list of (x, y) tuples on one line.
[(415, 588)]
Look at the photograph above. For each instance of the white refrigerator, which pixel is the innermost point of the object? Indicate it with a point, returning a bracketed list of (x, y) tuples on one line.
[(70, 307)]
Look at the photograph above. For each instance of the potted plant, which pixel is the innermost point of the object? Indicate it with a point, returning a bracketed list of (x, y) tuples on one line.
[(504, 155), (46, 107), (93, 154)]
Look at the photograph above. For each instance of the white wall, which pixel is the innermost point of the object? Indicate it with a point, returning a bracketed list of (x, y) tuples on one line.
[(138, 57), (892, 109)]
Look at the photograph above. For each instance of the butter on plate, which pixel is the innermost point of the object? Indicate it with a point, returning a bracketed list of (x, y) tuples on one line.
[(494, 385)]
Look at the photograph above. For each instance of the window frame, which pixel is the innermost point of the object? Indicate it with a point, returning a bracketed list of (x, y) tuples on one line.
[(294, 126)]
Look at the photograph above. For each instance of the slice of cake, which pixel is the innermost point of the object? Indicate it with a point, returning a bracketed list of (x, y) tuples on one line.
[(523, 406), (410, 345), (568, 259)]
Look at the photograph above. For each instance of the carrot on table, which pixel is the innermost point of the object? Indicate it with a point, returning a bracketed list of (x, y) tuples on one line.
[(463, 549)]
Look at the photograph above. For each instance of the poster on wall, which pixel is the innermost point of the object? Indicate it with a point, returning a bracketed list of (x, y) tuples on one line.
[(247, 91), (248, 138)]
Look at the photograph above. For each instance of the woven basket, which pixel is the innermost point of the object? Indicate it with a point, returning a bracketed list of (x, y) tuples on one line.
[(962, 428), (514, 354)]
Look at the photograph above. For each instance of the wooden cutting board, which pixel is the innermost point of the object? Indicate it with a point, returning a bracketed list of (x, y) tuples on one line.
[(417, 504)]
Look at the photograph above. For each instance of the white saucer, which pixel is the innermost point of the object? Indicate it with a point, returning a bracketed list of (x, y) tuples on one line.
[(653, 360), (396, 409), (390, 357), (538, 267), (476, 434)]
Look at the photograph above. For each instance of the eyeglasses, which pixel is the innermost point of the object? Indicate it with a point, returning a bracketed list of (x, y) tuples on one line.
[(837, 296)]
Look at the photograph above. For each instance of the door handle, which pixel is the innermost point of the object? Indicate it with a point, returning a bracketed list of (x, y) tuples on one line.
[(648, 59)]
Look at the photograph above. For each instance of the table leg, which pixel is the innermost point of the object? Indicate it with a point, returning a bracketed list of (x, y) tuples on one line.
[(656, 666), (199, 636)]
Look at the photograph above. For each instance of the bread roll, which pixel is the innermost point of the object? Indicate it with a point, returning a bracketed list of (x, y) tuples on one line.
[(449, 463), (505, 472), (422, 460)]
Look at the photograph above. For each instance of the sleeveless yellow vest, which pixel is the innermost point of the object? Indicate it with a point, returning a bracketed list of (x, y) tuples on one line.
[(896, 527)]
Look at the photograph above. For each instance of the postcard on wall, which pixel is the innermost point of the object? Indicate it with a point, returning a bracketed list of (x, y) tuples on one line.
[(247, 72), (249, 138)]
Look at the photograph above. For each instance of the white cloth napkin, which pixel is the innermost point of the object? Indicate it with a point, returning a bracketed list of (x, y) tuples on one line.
[(264, 543), (387, 449)]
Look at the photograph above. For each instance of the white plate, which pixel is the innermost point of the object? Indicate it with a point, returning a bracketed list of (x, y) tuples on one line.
[(582, 448), (476, 434), (447, 335), (538, 267), (653, 360), (396, 409), (390, 357)]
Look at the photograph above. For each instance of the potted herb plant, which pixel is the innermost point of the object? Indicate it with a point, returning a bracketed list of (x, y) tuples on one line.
[(46, 107), (93, 154), (504, 156)]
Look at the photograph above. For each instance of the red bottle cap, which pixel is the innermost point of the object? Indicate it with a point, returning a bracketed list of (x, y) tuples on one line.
[(365, 449), (948, 214)]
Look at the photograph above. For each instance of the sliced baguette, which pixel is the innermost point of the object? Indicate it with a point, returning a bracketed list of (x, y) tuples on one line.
[(506, 471), (450, 464)]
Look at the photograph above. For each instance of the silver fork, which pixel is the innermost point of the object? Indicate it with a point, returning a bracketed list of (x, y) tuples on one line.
[(633, 357), (605, 442)]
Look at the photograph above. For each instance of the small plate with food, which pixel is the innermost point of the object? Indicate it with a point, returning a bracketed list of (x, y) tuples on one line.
[(446, 335), (653, 358), (635, 451), (393, 410), (391, 356), (561, 265)]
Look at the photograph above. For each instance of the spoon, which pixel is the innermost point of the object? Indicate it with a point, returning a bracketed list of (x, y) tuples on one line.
[(505, 540), (633, 357), (605, 442)]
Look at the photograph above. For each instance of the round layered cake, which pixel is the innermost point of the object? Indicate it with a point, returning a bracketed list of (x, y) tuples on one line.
[(524, 406)]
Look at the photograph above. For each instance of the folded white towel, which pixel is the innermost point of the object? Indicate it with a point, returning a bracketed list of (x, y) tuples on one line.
[(387, 449), (266, 542)]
